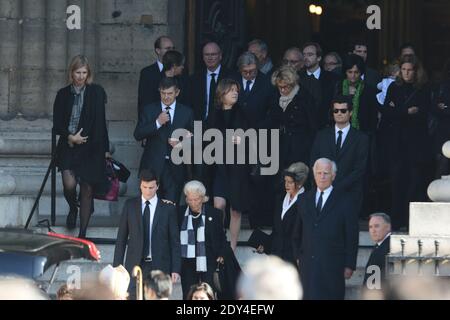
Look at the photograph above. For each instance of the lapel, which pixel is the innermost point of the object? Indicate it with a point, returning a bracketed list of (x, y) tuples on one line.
[(348, 141), (328, 205), (176, 117), (137, 206), (332, 139), (157, 216)]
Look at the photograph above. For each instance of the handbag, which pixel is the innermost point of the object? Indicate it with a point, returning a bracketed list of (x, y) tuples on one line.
[(216, 277), (110, 188), (121, 171)]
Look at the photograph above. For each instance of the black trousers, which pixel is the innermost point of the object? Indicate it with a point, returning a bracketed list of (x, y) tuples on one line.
[(146, 269), (190, 276), (171, 182)]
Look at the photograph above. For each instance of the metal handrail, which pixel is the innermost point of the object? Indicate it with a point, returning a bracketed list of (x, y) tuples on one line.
[(51, 170)]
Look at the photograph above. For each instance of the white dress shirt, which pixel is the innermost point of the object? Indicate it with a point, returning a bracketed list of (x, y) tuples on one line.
[(287, 202), (171, 112), (344, 133), (153, 203), (326, 194), (244, 82), (160, 65), (316, 73)]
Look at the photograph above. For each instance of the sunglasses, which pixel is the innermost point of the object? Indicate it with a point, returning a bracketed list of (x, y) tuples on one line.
[(344, 111)]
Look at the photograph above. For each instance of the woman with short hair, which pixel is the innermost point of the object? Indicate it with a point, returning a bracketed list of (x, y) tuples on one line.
[(202, 237)]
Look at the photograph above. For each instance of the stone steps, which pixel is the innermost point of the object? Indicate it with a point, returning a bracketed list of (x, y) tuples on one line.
[(243, 254)]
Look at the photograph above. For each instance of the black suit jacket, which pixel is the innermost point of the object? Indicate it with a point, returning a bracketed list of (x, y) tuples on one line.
[(378, 258), (256, 104), (351, 160), (197, 93), (148, 92), (372, 77), (326, 244), (283, 231), (157, 146), (166, 251), (215, 240)]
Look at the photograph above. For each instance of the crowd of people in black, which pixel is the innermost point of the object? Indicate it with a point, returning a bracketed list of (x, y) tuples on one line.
[(351, 141)]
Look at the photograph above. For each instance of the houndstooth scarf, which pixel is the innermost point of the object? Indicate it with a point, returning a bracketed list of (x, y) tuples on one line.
[(190, 249)]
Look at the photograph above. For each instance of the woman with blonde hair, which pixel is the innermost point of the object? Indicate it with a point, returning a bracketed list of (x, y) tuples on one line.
[(201, 291), (79, 120), (202, 237)]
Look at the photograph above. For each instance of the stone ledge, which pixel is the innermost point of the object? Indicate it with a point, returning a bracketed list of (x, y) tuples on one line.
[(429, 219), (14, 211)]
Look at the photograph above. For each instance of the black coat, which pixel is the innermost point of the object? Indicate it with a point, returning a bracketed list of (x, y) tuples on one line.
[(157, 146), (407, 134), (372, 77), (368, 108), (238, 175), (298, 126), (326, 244), (442, 116), (90, 156), (351, 161), (283, 231), (215, 240), (166, 250), (197, 93), (148, 92), (378, 258)]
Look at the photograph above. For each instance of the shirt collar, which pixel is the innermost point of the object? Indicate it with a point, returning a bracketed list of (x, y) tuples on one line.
[(160, 65), (385, 237), (217, 71), (153, 201), (172, 106), (344, 130), (315, 73), (327, 191)]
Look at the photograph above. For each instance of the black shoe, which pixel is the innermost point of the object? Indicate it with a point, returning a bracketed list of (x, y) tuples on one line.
[(71, 221)]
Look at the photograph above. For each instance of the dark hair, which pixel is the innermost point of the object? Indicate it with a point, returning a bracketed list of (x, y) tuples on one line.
[(172, 58), (353, 60), (342, 99), (359, 42), (407, 45), (420, 76), (158, 41), (319, 51), (160, 283), (168, 82), (148, 175), (203, 286), (223, 88)]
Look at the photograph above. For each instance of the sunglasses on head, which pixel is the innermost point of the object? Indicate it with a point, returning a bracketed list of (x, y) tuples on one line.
[(344, 111)]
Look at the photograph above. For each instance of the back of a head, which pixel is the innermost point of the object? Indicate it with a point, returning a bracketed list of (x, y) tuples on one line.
[(116, 279), (269, 278), (160, 283)]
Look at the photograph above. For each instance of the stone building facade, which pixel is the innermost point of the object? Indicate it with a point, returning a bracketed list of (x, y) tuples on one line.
[(35, 49)]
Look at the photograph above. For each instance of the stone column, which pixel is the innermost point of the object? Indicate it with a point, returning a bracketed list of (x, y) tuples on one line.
[(56, 50), (9, 53), (33, 62)]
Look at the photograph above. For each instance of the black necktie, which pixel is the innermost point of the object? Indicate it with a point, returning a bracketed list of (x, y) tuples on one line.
[(212, 91), (339, 142), (147, 227), (319, 203), (247, 86), (168, 113)]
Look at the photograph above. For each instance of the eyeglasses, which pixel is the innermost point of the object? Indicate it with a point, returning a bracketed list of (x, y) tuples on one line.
[(249, 72), (343, 111)]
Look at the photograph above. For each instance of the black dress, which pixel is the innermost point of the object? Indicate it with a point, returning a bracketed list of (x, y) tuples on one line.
[(86, 160), (232, 180)]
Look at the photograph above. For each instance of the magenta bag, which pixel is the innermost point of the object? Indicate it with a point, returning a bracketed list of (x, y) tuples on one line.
[(109, 190)]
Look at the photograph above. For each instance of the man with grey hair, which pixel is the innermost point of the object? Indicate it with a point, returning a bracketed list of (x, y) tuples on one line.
[(380, 232), (269, 278), (260, 49), (254, 101), (326, 236)]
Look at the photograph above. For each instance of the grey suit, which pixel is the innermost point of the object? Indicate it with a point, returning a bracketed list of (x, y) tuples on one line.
[(165, 244)]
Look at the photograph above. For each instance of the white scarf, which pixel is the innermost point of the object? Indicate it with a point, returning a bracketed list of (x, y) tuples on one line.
[(287, 203), (285, 100)]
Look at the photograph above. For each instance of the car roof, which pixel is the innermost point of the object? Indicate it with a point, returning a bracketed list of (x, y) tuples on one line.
[(53, 247)]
